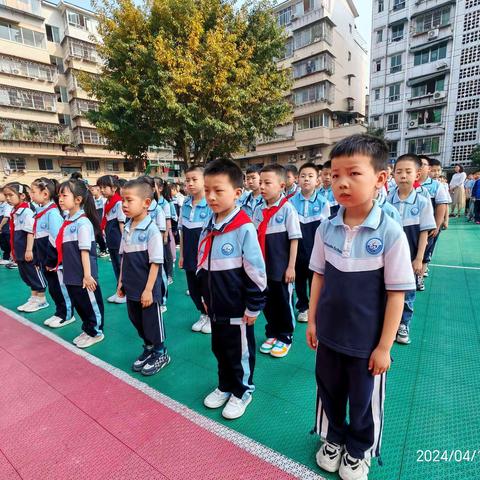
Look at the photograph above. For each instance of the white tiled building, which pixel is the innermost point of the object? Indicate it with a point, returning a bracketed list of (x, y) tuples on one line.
[(328, 62), (425, 77)]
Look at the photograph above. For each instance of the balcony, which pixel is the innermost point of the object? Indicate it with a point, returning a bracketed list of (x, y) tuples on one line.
[(23, 131), (282, 134), (79, 50), (79, 108), (27, 99), (299, 21), (87, 136), (27, 69), (29, 7)]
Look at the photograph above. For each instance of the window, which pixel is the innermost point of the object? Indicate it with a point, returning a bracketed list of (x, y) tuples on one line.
[(378, 65), (431, 20), (394, 92), (308, 5), (381, 6), (21, 35), (313, 64), (93, 165), (397, 32), (429, 87), (320, 92), (61, 93), (392, 121), (78, 20), (64, 119), (430, 54), (427, 116), (424, 145), (53, 33), (313, 121), (111, 165), (379, 36), (376, 93), (128, 166), (25, 68), (284, 16), (45, 164), (393, 151), (313, 33), (398, 5), (17, 164), (58, 62), (23, 98), (288, 49), (396, 63)]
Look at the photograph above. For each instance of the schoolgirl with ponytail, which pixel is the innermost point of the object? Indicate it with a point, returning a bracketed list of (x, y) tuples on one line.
[(21, 243), (77, 254), (47, 223)]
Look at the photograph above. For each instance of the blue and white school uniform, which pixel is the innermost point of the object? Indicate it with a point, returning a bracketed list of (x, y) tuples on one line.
[(170, 214), (328, 194), (157, 214), (5, 211), (311, 212), (141, 247), (292, 191), (46, 256), (282, 228), (30, 272), (192, 219), (78, 237), (100, 208), (233, 283), (250, 203), (359, 265), (113, 235)]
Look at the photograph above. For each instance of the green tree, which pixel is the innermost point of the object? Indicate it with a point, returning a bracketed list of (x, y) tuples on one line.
[(197, 75), (475, 156), (376, 132)]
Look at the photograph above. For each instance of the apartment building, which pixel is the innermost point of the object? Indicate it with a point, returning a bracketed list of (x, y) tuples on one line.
[(425, 77), (43, 128), (329, 66)]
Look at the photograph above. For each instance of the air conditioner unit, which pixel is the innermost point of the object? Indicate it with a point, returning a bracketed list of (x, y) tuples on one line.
[(303, 156), (441, 65), (293, 17), (50, 108), (413, 124), (439, 95), (432, 34)]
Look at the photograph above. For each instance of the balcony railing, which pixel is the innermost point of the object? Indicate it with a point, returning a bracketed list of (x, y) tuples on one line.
[(27, 69), (79, 108), (27, 6), (87, 136), (28, 99), (82, 51), (21, 131)]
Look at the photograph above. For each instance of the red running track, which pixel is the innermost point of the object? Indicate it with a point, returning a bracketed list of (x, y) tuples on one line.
[(61, 417)]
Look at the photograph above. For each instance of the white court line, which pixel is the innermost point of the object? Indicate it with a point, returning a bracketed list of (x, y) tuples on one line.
[(245, 443), (454, 266)]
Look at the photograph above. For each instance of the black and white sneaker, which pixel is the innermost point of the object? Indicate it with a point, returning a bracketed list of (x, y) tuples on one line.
[(155, 363), (403, 335), (420, 284), (329, 456), (354, 468), (139, 363)]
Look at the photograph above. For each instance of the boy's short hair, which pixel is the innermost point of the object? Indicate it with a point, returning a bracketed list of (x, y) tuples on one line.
[(194, 168), (276, 168), (142, 185), (433, 162), (292, 169), (327, 164), (409, 157), (363, 144), (225, 166), (308, 165), (253, 169)]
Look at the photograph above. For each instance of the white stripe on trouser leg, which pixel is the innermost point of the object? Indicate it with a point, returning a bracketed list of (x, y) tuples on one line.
[(40, 277), (96, 310), (322, 419), (245, 356), (66, 297), (160, 323), (378, 396), (290, 304)]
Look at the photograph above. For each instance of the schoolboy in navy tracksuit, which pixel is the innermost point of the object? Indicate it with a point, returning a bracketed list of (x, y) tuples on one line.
[(361, 270), (233, 281), (278, 233), (312, 209), (194, 214), (141, 276), (253, 198), (418, 220), (326, 188)]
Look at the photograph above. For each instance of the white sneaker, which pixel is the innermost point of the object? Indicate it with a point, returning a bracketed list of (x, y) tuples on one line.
[(163, 308), (88, 341), (303, 317), (36, 304), (216, 399), (353, 468), (4, 262), (197, 326), (79, 337), (169, 281), (235, 407), (187, 293), (21, 307), (329, 456), (207, 327), (112, 298), (120, 300), (57, 322)]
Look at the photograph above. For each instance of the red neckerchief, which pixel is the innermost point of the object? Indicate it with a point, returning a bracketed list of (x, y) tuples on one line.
[(416, 184), (241, 218), (268, 213), (12, 226), (39, 215), (59, 240), (108, 206)]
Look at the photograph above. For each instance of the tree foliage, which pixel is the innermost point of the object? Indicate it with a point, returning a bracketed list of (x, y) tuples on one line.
[(197, 75), (475, 156)]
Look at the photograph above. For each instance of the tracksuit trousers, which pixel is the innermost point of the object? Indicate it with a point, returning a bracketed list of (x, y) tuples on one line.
[(343, 379), (194, 290), (279, 311), (32, 275), (303, 284), (89, 306), (148, 322), (58, 292)]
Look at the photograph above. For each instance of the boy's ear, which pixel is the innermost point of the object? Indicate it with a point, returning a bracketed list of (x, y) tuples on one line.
[(417, 176), (148, 202), (381, 178), (238, 193)]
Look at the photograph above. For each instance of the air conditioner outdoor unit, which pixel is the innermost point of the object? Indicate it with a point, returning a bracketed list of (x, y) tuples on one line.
[(439, 95), (441, 65), (293, 17), (303, 156), (432, 34), (413, 124)]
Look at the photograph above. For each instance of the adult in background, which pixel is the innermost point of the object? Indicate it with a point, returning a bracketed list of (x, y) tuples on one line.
[(457, 190)]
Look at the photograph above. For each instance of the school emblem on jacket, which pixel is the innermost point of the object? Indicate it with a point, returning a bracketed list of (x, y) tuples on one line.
[(203, 214), (414, 211), (43, 225), (227, 249), (279, 218), (73, 228), (142, 237), (374, 246), (316, 208)]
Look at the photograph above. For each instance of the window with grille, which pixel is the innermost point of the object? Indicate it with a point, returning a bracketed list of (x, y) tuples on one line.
[(394, 92), (396, 63), (392, 121), (424, 145), (17, 164), (45, 164)]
